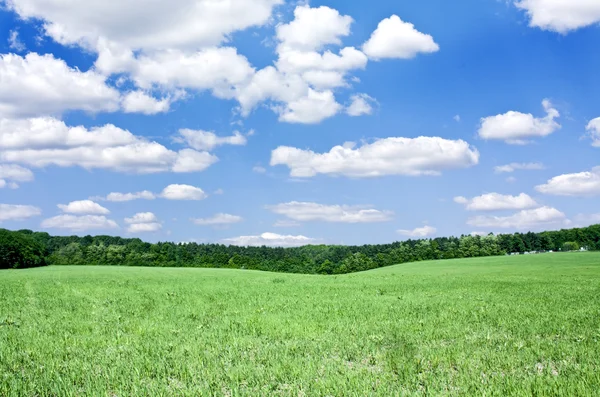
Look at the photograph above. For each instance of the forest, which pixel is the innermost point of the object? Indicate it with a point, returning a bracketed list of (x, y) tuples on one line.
[(26, 248)]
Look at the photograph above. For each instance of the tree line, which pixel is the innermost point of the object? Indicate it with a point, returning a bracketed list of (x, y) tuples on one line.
[(26, 248)]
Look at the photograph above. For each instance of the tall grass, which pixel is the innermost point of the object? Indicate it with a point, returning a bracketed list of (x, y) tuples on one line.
[(492, 326)]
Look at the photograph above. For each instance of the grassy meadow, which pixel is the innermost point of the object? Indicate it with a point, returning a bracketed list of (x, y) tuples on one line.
[(527, 325)]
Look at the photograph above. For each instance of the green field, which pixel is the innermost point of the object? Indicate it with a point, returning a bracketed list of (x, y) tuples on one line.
[(527, 325)]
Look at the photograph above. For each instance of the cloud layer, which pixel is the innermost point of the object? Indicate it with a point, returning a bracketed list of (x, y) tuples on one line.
[(497, 202), (305, 212), (389, 156)]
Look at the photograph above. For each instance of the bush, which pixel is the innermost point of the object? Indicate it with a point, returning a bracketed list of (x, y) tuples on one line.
[(19, 251), (570, 246)]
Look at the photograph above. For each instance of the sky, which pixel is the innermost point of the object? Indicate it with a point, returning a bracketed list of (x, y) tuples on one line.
[(271, 122)]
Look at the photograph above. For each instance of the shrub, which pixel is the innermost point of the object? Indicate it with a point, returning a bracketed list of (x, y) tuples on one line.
[(570, 246)]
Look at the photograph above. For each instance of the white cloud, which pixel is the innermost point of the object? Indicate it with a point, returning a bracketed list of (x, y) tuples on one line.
[(516, 127), (420, 232), (389, 156), (299, 87), (304, 212), (497, 202), (141, 102), (13, 172), (583, 184), (79, 223), (456, 118), (44, 141), (186, 24), (144, 227), (311, 109), (206, 140), (143, 222), (189, 160), (395, 38), (593, 130), (561, 16), (43, 85), (259, 170), (12, 212), (142, 217), (301, 62), (219, 220), (313, 28), (360, 106), (45, 132), (122, 197), (84, 207), (512, 167), (270, 240), (215, 69), (14, 43), (521, 220), (183, 192)]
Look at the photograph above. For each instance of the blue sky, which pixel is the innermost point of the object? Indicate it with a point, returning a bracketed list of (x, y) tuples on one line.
[(344, 123)]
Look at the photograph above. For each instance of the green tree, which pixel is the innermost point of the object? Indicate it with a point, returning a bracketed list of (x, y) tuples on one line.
[(19, 250)]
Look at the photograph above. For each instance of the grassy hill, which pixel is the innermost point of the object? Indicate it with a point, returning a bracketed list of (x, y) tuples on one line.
[(527, 325)]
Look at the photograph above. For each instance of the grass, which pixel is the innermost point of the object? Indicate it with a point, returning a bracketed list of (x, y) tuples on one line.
[(526, 325)]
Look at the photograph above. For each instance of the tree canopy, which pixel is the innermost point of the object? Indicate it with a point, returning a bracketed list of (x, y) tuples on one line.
[(26, 248), (19, 250)]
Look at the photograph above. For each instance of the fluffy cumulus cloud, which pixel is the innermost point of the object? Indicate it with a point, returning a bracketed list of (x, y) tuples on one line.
[(512, 167), (143, 222), (142, 102), (79, 223), (181, 48), (517, 128), (497, 202), (45, 141), (216, 69), (360, 106), (593, 130), (389, 156), (313, 28), (83, 207), (303, 212), (218, 220), (561, 16), (185, 24), (43, 85), (183, 192), (582, 184), (270, 240), (395, 38), (13, 212), (311, 109), (526, 219), (300, 86), (10, 174), (420, 232), (207, 140)]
